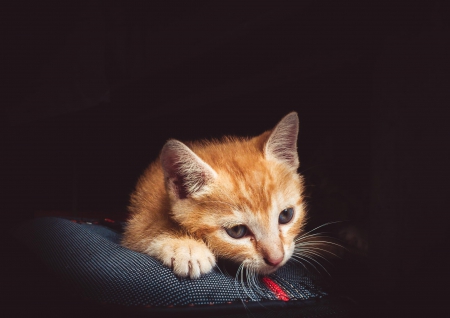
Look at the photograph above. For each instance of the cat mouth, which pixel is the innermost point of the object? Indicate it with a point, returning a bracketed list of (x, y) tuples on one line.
[(270, 269), (232, 268)]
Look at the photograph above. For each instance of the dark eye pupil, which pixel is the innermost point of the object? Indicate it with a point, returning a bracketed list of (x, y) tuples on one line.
[(286, 215), (237, 231)]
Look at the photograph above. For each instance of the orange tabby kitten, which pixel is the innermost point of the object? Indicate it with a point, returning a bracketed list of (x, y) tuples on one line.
[(237, 198)]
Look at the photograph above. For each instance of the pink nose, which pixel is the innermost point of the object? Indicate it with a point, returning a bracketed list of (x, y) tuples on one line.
[(273, 261)]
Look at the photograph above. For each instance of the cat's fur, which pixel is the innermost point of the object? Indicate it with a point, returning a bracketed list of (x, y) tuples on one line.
[(184, 202)]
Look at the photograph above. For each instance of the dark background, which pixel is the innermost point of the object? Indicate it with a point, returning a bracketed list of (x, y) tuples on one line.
[(93, 89)]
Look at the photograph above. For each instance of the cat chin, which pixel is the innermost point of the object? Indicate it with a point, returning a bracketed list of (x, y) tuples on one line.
[(261, 268), (231, 268), (268, 271)]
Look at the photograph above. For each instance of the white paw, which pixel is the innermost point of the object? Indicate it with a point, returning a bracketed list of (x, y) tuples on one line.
[(186, 257)]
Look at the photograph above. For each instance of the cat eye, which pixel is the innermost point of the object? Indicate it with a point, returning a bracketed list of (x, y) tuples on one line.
[(286, 215), (237, 231)]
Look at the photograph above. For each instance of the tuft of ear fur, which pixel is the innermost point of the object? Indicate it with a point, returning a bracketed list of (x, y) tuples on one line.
[(282, 142), (185, 173)]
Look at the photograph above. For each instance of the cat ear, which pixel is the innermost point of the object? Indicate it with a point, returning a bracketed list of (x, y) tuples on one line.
[(282, 142), (185, 173)]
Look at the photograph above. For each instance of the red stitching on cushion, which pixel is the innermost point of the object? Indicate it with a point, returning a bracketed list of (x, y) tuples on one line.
[(276, 289)]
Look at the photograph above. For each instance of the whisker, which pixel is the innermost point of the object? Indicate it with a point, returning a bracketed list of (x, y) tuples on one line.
[(307, 248), (312, 234), (236, 281), (326, 242), (237, 289), (298, 256), (247, 272), (217, 266), (255, 283), (328, 223), (307, 251), (247, 288), (242, 279), (317, 262), (315, 248), (298, 261), (316, 235)]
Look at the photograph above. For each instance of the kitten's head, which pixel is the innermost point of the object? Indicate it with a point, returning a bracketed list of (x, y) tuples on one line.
[(242, 196)]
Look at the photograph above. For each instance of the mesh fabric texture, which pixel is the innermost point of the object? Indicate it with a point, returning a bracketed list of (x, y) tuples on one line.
[(90, 258)]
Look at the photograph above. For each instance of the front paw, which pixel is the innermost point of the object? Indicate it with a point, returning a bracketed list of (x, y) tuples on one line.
[(186, 256)]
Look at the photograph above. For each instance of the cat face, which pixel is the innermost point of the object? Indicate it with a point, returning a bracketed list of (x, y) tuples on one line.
[(241, 196)]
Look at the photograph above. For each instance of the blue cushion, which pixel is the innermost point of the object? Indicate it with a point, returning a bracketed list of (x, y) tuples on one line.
[(88, 257)]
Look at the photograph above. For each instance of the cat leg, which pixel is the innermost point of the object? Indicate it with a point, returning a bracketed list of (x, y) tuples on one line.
[(186, 256)]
